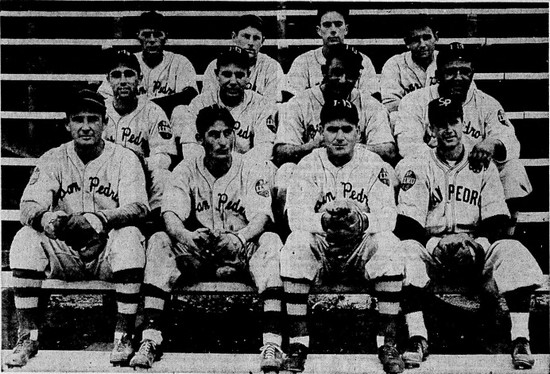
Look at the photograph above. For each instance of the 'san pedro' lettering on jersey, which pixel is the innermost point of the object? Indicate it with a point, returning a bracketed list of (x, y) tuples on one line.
[(436, 197), (71, 188), (202, 205), (158, 87), (243, 133), (464, 194), (326, 198), (471, 131), (352, 194), (127, 135), (102, 189), (234, 206), (415, 86)]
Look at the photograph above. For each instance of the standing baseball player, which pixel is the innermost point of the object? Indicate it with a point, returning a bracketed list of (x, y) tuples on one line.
[(488, 134), (216, 208), (341, 211), (139, 124), (305, 71), (80, 210), (411, 70), (266, 75), (168, 78), (451, 216), (254, 114)]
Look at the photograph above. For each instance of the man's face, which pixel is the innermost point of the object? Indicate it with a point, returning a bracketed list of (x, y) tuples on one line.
[(338, 81), (250, 39), (218, 141), (421, 43), (86, 128), (448, 135), (340, 138), (455, 79), (152, 40), (124, 82), (233, 80), (333, 28)]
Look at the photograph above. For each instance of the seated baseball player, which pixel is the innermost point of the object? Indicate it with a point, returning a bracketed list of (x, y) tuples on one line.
[(341, 210), (169, 78), (216, 208), (305, 71), (411, 70), (488, 134), (266, 75), (254, 114), (451, 216), (139, 124), (79, 213)]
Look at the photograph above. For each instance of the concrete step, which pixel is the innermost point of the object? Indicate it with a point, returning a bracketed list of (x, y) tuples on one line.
[(98, 361)]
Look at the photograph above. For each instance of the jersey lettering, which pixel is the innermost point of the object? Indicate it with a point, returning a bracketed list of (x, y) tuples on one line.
[(327, 198), (157, 87), (103, 190), (412, 87), (240, 132), (202, 205), (436, 197), (464, 194), (127, 133), (71, 188), (234, 206), (352, 194), (469, 130)]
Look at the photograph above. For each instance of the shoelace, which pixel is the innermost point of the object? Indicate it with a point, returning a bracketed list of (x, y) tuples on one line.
[(270, 350), (147, 347), (21, 343)]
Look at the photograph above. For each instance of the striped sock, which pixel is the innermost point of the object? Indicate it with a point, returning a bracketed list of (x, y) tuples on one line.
[(27, 289), (127, 286), (272, 316), (296, 298), (388, 292), (155, 299)]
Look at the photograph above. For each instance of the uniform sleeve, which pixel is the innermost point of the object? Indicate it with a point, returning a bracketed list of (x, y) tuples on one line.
[(302, 195), (377, 129), (383, 213), (492, 195), (274, 82), (161, 136), (390, 85), (291, 124), (39, 193), (185, 74), (498, 126), (410, 127), (258, 191), (264, 124), (209, 79), (414, 193), (368, 81), (297, 76), (105, 90), (184, 121), (177, 197)]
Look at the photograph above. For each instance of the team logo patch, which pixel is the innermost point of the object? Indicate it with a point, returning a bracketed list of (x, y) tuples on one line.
[(408, 181), (261, 188), (383, 176), (311, 131), (165, 130), (34, 176), (502, 118), (271, 124)]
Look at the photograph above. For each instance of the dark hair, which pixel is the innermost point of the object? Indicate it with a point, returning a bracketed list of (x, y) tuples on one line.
[(151, 20), (443, 110), (417, 23), (350, 57), (339, 109), (209, 115), (454, 52), (85, 100), (249, 20), (233, 55), (116, 58), (326, 8)]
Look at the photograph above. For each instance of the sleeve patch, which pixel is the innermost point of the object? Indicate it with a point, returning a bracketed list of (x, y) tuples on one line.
[(271, 124), (35, 175), (261, 188), (503, 118), (408, 180), (165, 130), (383, 176)]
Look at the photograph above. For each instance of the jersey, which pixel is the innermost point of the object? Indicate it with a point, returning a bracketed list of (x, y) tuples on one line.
[(254, 116), (305, 72), (61, 181), (146, 130), (483, 118), (172, 75), (363, 180), (227, 203), (448, 199), (401, 75), (266, 78), (299, 119)]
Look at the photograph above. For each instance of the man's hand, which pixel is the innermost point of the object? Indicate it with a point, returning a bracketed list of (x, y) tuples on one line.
[(84, 232), (343, 221), (459, 253), (53, 223), (229, 246), (194, 241), (482, 154)]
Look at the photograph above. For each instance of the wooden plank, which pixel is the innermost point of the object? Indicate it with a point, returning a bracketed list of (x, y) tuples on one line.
[(98, 361)]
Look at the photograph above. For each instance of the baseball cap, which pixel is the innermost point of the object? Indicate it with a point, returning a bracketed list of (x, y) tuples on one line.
[(453, 52), (233, 55), (249, 20), (122, 57), (85, 100), (151, 20), (339, 110), (443, 110)]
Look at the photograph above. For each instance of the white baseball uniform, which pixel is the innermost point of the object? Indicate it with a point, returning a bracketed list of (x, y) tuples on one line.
[(449, 199), (305, 72), (483, 118), (266, 78), (172, 75)]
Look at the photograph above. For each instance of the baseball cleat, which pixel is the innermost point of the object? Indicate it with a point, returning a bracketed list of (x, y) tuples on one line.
[(24, 350), (416, 352), (521, 354), (296, 358), (122, 351), (391, 359), (271, 358), (145, 356)]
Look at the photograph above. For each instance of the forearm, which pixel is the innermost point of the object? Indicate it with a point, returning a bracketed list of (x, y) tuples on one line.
[(175, 227), (385, 150), (128, 215), (293, 153), (31, 213)]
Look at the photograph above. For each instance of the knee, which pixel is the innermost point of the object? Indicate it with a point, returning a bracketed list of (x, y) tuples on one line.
[(296, 243), (511, 250), (127, 244), (158, 247), (26, 250), (271, 240)]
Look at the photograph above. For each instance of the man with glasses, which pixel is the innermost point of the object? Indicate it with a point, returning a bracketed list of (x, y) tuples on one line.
[(305, 71)]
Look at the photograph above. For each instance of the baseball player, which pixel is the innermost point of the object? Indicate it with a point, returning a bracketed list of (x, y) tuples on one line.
[(168, 78), (411, 70), (451, 216), (305, 71), (266, 75), (254, 114), (79, 213), (487, 131), (341, 211), (139, 124), (216, 208)]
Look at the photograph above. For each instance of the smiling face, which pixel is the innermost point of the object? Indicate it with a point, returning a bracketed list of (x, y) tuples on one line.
[(233, 80), (86, 128), (448, 133), (340, 137), (333, 28), (250, 39), (455, 78), (421, 42), (152, 40), (124, 82)]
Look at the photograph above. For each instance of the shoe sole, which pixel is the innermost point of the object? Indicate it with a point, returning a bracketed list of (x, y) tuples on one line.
[(394, 368), (523, 365), (12, 365)]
